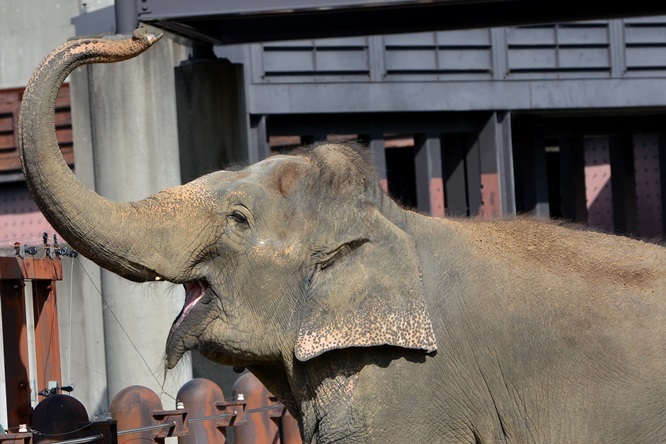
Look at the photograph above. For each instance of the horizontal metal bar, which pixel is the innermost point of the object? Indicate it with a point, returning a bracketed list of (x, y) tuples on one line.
[(30, 268), (83, 440), (208, 418), (169, 9), (227, 415), (143, 429), (244, 21), (263, 409)]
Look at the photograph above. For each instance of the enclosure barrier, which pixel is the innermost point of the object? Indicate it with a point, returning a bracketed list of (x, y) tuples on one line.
[(19, 274), (201, 415)]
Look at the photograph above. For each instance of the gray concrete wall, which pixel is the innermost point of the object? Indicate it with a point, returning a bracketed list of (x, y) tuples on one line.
[(29, 29), (211, 116)]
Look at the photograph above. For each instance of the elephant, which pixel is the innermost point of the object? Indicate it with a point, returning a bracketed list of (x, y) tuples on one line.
[(371, 322)]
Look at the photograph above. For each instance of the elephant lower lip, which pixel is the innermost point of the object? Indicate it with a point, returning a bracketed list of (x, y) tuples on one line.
[(194, 291)]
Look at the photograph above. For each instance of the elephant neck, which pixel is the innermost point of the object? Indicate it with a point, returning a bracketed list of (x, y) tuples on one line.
[(324, 393)]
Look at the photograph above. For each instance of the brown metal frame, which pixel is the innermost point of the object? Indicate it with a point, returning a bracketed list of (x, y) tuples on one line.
[(44, 272)]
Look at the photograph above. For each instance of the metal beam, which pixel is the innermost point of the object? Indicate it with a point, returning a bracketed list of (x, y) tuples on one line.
[(429, 182), (572, 178), (623, 181), (126, 16), (473, 174), (375, 142), (529, 156), (438, 96), (366, 123), (496, 166), (30, 268), (453, 153), (244, 21), (14, 332), (661, 142)]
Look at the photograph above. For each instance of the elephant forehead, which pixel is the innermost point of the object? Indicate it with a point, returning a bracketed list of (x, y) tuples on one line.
[(280, 173), (268, 165)]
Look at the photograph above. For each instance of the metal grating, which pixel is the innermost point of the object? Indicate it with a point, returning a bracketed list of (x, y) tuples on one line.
[(562, 50), (583, 50), (316, 60), (645, 46), (446, 55)]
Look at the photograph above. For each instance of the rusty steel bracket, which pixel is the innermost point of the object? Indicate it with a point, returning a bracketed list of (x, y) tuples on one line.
[(277, 409), (232, 413), (106, 430), (30, 268), (178, 420), (16, 438)]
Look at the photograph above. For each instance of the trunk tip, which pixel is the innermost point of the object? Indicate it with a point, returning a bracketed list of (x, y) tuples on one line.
[(149, 37)]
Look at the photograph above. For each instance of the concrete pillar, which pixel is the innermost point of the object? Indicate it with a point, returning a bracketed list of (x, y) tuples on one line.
[(211, 116), (133, 146)]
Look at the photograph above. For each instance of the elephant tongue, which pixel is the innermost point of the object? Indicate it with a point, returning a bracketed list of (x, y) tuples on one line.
[(193, 292)]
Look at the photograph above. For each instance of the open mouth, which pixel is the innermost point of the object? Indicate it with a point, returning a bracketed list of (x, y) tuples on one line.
[(194, 291)]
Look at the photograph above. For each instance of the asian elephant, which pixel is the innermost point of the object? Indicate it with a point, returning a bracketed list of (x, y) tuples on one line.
[(373, 323)]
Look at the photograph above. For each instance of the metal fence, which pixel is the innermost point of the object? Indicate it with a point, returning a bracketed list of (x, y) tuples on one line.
[(201, 414)]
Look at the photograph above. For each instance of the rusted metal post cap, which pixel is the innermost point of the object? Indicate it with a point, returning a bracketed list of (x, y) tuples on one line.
[(132, 407), (199, 397), (58, 415)]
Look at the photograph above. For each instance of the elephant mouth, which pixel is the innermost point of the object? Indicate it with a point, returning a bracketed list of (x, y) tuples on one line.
[(192, 321), (194, 291)]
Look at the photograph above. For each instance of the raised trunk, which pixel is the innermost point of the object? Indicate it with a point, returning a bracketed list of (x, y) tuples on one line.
[(131, 239)]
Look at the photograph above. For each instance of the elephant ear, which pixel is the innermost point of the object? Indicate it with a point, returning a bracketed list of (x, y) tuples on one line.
[(366, 291)]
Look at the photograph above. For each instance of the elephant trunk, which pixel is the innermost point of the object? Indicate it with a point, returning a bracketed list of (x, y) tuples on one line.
[(131, 239)]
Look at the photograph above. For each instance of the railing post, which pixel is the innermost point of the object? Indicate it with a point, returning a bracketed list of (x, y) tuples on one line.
[(259, 427), (200, 397), (63, 419), (141, 417), (132, 408)]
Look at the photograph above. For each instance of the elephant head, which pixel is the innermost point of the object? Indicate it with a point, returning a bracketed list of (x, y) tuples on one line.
[(286, 258)]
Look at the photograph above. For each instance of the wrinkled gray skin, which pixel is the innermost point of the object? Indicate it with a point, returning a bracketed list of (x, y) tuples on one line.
[(336, 298)]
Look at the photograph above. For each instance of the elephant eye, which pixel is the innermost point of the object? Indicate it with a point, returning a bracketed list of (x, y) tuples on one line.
[(238, 217)]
